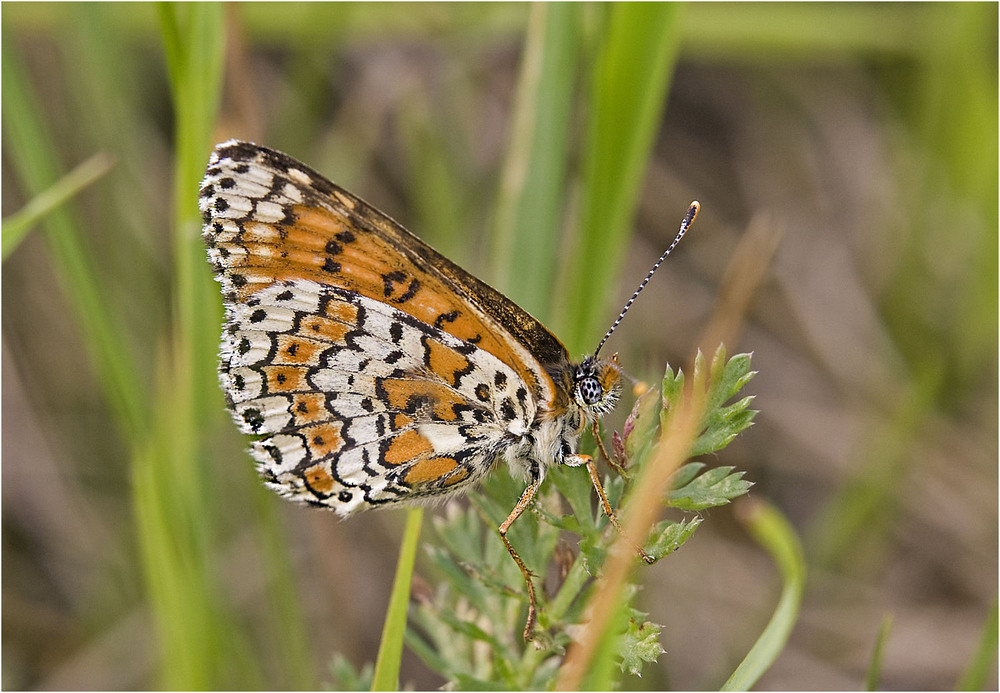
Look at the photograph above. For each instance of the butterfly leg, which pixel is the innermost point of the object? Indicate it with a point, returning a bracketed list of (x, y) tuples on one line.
[(576, 461), (526, 498), (596, 430)]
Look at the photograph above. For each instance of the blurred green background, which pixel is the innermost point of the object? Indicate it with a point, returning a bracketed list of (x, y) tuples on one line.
[(139, 551)]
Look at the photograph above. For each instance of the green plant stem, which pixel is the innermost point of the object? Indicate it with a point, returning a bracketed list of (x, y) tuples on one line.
[(172, 485), (390, 649)]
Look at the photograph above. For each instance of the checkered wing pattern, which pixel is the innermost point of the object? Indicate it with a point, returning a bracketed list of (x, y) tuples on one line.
[(369, 368)]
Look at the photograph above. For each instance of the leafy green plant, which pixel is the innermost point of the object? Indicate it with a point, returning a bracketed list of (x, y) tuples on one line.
[(469, 629)]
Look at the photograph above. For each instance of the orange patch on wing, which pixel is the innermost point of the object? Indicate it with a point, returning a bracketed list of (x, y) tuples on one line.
[(429, 470), (411, 395), (319, 479), (341, 311), (461, 475), (286, 378), (308, 407), (313, 225), (471, 330), (401, 421), (297, 351), (405, 447), (323, 439), (324, 328), (447, 363)]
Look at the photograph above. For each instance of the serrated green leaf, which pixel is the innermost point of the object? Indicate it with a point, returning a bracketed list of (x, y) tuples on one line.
[(639, 644), (721, 424), (668, 536), (683, 476), (715, 487), (672, 387)]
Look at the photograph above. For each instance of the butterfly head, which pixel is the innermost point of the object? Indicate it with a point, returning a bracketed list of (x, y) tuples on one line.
[(597, 384)]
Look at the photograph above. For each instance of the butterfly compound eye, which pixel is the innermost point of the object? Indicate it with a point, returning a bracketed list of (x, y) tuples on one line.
[(588, 389)]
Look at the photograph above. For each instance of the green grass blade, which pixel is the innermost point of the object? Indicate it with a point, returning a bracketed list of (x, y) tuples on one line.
[(173, 486), (193, 38), (17, 225), (287, 634), (773, 532), (976, 676), (875, 668), (35, 163), (394, 630), (532, 192), (199, 647), (633, 70)]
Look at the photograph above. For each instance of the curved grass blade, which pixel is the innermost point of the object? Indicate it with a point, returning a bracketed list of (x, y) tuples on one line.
[(773, 532)]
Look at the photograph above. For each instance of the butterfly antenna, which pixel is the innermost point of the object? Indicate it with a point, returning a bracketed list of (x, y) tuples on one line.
[(685, 224)]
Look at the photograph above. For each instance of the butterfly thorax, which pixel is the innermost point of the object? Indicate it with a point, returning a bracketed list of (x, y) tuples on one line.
[(586, 391)]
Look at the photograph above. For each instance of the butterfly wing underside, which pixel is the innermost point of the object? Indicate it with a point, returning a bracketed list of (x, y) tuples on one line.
[(369, 367)]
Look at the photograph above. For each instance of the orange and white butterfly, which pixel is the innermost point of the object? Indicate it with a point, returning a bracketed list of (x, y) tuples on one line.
[(372, 370)]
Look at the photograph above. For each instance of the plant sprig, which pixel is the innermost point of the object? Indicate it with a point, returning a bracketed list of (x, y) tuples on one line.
[(469, 629)]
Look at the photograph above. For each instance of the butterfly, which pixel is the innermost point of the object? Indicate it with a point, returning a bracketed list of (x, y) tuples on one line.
[(370, 369)]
